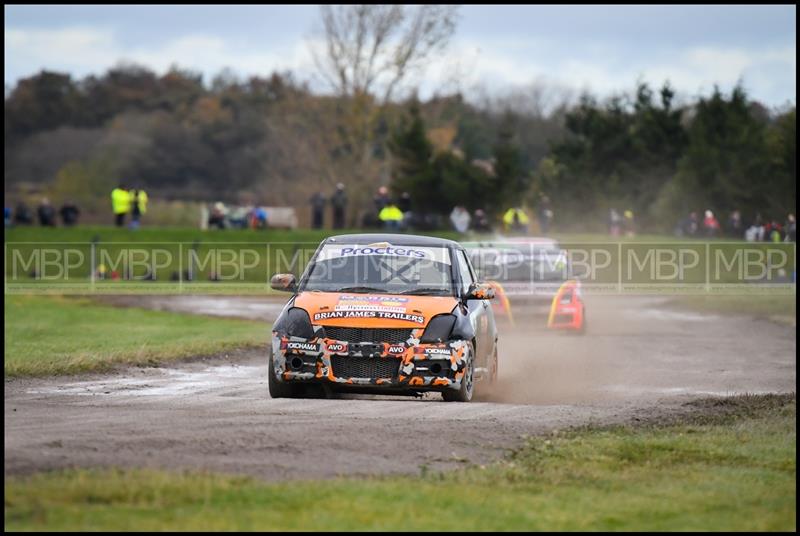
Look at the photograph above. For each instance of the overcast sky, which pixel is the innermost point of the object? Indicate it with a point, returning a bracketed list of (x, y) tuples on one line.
[(604, 49)]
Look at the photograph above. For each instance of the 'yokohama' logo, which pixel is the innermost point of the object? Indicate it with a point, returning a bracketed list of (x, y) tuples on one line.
[(305, 346)]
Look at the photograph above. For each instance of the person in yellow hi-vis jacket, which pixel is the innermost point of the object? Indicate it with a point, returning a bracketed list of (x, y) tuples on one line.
[(391, 216), (515, 220), (138, 207), (120, 204)]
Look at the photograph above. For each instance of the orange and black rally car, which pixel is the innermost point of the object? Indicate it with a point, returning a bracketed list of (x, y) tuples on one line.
[(384, 313)]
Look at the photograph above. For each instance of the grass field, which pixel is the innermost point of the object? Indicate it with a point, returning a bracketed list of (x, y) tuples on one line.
[(729, 465), (56, 335)]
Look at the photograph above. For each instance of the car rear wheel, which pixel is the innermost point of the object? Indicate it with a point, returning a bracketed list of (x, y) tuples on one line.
[(582, 330), (277, 388), (464, 393)]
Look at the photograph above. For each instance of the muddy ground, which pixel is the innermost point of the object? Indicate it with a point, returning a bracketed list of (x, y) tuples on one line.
[(640, 360)]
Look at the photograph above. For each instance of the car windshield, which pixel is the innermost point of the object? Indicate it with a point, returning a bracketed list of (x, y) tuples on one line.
[(381, 268)]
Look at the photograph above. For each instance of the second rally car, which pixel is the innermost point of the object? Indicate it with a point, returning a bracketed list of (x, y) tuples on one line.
[(387, 314)]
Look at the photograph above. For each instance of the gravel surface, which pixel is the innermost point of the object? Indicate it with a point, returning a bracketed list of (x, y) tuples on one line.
[(638, 360)]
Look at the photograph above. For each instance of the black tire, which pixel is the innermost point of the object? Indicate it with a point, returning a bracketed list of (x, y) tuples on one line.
[(277, 388), (584, 323), (465, 392)]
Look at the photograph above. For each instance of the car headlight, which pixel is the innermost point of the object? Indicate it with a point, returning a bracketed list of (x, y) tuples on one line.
[(295, 323), (439, 328)]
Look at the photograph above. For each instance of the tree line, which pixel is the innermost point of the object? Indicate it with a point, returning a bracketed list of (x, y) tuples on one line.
[(272, 140)]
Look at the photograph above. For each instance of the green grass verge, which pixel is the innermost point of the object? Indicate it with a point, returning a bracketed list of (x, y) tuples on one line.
[(732, 466), (180, 234), (56, 335), (778, 307)]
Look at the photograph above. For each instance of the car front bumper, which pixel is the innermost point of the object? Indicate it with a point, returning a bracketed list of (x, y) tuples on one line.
[(411, 366)]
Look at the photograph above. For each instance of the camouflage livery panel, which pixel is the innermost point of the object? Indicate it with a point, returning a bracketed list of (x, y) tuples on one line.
[(429, 366)]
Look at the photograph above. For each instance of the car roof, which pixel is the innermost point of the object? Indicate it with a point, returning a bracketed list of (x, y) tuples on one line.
[(394, 239), (515, 242)]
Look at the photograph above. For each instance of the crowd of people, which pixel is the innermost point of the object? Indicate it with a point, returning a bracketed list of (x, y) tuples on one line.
[(126, 202), (45, 214), (238, 217), (759, 230), (397, 214), (621, 224), (338, 203)]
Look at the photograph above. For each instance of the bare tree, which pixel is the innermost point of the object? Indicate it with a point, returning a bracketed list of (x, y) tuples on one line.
[(370, 49), (367, 54)]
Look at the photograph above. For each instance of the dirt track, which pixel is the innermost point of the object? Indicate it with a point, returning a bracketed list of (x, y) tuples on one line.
[(639, 360)]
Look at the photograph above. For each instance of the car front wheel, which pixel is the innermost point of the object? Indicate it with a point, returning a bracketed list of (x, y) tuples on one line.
[(277, 388), (464, 393)]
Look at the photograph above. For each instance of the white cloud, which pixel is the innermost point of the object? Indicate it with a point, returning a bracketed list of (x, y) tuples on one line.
[(84, 50), (768, 73), (27, 51), (495, 64)]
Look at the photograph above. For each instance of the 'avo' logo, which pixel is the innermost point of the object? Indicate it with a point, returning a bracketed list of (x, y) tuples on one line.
[(337, 347), (397, 349)]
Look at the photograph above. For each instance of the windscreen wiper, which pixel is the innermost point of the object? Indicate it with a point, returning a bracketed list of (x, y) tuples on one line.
[(360, 289), (426, 291)]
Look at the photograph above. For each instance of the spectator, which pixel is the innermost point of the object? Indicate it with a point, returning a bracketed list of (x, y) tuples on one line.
[(481, 221), (381, 199), (545, 214), (47, 214), (317, 210), (515, 220), (751, 233), (142, 203), (218, 216), (775, 233), (791, 229), (614, 222), (760, 228), (120, 204), (339, 204), (405, 203), (69, 213), (710, 224), (629, 224), (460, 218), (22, 215), (7, 216), (136, 211), (260, 218), (241, 217), (734, 227), (688, 226), (391, 216)]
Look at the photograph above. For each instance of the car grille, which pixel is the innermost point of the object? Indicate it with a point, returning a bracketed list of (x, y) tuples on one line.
[(364, 367), (388, 335)]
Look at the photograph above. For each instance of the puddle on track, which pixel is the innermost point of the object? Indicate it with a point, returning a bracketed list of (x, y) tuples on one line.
[(162, 382)]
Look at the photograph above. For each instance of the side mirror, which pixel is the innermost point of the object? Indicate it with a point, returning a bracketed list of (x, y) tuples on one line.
[(283, 282), (479, 291)]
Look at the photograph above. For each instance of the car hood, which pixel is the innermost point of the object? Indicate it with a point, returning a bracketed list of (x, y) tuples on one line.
[(372, 310)]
